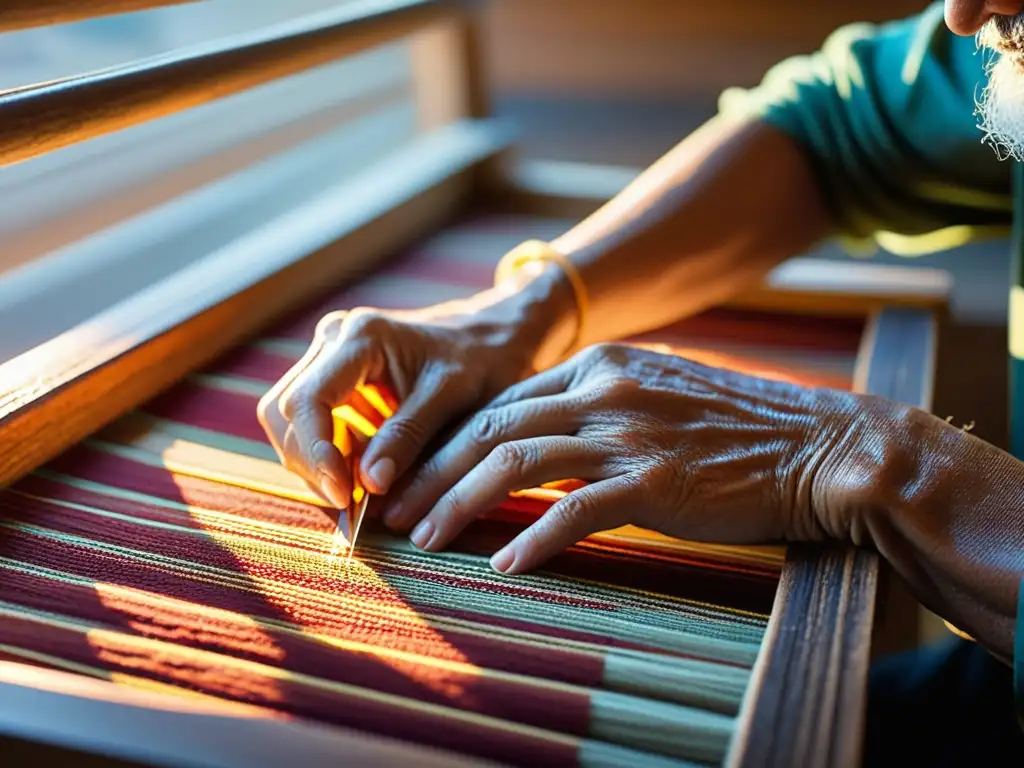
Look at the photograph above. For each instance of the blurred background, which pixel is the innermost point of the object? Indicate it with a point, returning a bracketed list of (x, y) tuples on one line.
[(600, 81)]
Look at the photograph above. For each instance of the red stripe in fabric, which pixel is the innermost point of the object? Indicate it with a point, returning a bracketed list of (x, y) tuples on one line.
[(695, 581), (174, 666), (753, 590), (455, 272), (100, 467), (199, 549), (134, 509), (409, 631), (302, 325), (521, 511), (218, 410), (253, 363), (177, 622), (745, 591)]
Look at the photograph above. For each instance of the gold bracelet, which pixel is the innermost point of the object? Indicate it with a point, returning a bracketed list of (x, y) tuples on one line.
[(536, 250)]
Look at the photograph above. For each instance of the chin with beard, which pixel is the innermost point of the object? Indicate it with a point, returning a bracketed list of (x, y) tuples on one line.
[(1001, 104)]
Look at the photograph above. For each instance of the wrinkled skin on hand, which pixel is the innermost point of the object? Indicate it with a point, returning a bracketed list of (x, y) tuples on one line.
[(441, 363), (666, 444)]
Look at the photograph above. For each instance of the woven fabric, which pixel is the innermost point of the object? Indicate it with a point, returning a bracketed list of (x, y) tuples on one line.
[(173, 550)]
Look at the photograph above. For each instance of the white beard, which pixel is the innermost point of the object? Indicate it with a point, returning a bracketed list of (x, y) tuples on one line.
[(1000, 107)]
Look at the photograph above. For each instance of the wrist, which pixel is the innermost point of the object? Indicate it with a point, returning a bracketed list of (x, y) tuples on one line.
[(539, 307), (867, 474)]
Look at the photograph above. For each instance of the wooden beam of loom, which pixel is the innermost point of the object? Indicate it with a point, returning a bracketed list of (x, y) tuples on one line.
[(815, 286), (23, 14), (53, 396), (823, 618), (123, 726), (38, 119)]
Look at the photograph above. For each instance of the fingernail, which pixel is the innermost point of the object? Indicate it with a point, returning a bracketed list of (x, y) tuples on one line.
[(380, 475), (503, 559), (422, 534), (333, 492)]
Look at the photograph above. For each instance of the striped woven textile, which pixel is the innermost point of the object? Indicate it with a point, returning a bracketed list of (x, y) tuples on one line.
[(173, 552)]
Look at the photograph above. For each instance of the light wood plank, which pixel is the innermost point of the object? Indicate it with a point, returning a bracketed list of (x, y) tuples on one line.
[(23, 14), (807, 699), (39, 119), (47, 715), (62, 391)]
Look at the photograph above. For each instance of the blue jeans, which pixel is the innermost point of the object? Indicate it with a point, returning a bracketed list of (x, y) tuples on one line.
[(946, 705)]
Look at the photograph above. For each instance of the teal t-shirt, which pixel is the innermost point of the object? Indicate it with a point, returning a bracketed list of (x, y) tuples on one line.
[(886, 114)]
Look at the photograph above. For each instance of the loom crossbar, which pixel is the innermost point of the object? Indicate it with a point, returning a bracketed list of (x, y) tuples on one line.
[(42, 118), (24, 14)]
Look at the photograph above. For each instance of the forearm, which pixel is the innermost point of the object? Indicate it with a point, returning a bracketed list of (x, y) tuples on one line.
[(946, 510), (707, 220)]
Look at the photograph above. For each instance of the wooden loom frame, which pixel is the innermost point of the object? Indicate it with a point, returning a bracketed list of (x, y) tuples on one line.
[(57, 394)]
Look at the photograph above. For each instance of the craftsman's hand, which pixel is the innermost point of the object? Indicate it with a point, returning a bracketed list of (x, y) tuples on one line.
[(666, 444), (441, 363)]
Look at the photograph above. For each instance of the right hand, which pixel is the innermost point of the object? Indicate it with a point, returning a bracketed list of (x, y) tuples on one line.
[(441, 363)]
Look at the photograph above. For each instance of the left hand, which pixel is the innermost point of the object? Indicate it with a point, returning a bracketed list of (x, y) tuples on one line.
[(666, 444)]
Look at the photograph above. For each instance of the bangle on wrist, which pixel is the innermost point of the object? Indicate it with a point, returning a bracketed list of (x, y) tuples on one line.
[(533, 251)]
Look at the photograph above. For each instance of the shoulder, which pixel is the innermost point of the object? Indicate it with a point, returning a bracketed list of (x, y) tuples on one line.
[(894, 105), (923, 76)]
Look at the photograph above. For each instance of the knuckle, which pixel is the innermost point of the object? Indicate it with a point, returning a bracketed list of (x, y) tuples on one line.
[(671, 486), (454, 505), (294, 400), (457, 375), (331, 323), (289, 403), (450, 381), (367, 323), (572, 510), (510, 460), (321, 452), (263, 409), (405, 431), (607, 352), (610, 389), (592, 355), (486, 427)]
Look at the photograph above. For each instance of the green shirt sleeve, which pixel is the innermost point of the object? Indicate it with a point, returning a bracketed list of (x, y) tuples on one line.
[(887, 116)]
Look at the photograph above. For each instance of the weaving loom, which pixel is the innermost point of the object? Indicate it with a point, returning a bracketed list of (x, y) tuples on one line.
[(175, 594)]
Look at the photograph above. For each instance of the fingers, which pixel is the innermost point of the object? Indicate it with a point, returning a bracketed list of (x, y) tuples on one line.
[(277, 427), (268, 410), (482, 433), (593, 508), (509, 467), (308, 403), (550, 382), (436, 400)]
